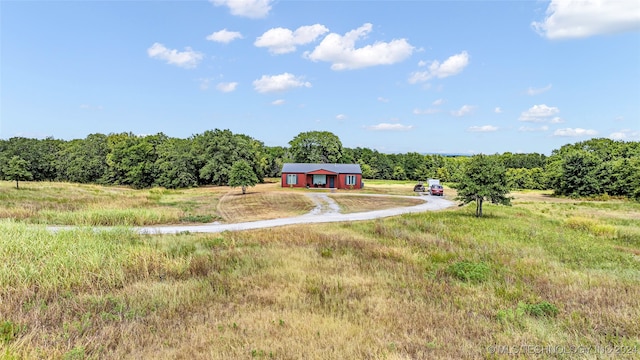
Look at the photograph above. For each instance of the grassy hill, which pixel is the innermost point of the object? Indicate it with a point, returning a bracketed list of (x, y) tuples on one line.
[(562, 275)]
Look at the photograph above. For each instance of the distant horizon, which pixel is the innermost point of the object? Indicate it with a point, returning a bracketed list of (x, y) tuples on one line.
[(410, 76)]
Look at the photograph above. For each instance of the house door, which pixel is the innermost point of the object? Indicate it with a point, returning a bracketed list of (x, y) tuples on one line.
[(332, 181)]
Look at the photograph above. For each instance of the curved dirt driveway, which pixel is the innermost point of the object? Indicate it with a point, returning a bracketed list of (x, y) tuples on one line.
[(326, 210)]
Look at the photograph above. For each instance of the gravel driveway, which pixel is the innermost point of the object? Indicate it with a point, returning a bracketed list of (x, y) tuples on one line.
[(326, 210)]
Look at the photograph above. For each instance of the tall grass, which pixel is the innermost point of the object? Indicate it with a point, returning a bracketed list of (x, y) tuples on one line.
[(431, 285)]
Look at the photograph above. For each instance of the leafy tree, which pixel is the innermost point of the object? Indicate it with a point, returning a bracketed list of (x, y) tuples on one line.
[(132, 159), (579, 174), (83, 160), (316, 147), (484, 178), (455, 167), (17, 169), (398, 173), (442, 173), (216, 151), (242, 175), (367, 171), (39, 154), (382, 166), (175, 166)]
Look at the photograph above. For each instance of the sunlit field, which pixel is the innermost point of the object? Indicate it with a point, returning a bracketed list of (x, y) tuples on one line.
[(78, 204), (556, 273)]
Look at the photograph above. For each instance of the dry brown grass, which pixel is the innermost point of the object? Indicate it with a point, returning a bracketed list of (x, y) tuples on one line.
[(76, 204), (364, 290), (360, 203), (262, 205)]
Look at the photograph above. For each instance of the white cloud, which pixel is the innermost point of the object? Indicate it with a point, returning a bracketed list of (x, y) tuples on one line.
[(342, 53), (425, 111), (438, 102), (248, 8), (567, 19), (282, 41), (227, 87), (556, 120), (278, 102), (422, 63), (280, 82), (497, 110), (531, 91), (484, 128), (452, 66), (186, 59), (390, 127), (531, 129), (626, 135), (465, 109), (224, 36), (384, 100), (341, 116), (570, 132), (538, 113)]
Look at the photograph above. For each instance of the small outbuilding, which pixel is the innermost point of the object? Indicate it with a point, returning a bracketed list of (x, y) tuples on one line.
[(334, 176)]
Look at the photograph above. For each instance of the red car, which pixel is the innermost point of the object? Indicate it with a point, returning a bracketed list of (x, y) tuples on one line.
[(436, 190)]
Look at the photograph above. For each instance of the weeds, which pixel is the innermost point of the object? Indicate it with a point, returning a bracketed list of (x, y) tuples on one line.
[(9, 331), (469, 271), (540, 309), (390, 288)]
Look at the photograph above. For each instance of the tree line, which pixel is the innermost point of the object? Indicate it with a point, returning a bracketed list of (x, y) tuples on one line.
[(588, 168)]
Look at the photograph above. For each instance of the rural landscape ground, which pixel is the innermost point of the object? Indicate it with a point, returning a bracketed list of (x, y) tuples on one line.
[(549, 277)]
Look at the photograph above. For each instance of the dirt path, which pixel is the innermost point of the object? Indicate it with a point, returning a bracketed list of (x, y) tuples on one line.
[(326, 210)]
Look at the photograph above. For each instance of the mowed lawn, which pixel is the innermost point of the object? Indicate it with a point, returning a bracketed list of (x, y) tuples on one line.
[(546, 273)]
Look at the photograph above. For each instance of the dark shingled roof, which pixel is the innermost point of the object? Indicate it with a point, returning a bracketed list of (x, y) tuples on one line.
[(307, 168)]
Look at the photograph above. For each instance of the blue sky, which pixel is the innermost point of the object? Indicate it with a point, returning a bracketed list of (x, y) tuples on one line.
[(396, 76)]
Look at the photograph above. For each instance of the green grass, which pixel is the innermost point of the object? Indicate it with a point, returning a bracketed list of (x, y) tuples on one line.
[(431, 285)]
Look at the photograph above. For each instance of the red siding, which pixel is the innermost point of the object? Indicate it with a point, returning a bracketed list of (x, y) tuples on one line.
[(301, 180), (340, 180)]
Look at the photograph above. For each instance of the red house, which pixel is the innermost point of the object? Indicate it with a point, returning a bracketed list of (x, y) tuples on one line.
[(338, 176)]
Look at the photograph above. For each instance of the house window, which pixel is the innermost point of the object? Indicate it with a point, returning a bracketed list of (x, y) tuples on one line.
[(351, 179), (319, 179), (292, 179)]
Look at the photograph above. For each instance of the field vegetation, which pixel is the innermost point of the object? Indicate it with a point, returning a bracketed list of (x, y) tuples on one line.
[(54, 203), (546, 271)]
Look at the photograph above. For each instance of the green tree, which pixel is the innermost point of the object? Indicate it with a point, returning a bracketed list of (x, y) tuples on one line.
[(175, 166), (398, 173), (367, 171), (216, 151), (316, 147), (484, 178), (579, 174), (132, 159), (242, 175), (83, 160), (17, 169), (39, 154), (442, 173)]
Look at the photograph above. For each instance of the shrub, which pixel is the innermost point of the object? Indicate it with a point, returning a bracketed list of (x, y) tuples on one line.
[(469, 271), (540, 309)]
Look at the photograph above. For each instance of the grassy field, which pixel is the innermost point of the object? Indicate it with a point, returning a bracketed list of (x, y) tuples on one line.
[(546, 273), (75, 204)]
